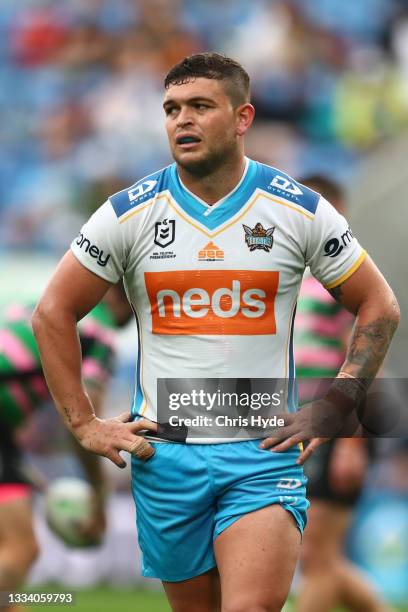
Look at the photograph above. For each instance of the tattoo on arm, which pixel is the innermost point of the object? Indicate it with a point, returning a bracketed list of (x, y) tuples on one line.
[(369, 345), (67, 414)]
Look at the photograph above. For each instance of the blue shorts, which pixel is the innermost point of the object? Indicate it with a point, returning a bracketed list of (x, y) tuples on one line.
[(187, 494)]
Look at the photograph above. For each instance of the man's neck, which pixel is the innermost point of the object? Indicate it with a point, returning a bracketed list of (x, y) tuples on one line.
[(218, 184)]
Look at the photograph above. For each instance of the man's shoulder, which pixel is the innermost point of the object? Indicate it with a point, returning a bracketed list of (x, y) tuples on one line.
[(140, 192), (277, 183)]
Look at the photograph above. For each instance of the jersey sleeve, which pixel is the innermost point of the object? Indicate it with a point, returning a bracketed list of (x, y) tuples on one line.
[(100, 246), (333, 253)]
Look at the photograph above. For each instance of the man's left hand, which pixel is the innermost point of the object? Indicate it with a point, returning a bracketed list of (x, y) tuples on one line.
[(318, 422)]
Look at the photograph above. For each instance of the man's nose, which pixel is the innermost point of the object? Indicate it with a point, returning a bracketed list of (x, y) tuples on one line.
[(184, 117)]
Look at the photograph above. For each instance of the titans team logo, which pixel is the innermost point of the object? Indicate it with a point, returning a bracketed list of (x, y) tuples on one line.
[(164, 233), (258, 237)]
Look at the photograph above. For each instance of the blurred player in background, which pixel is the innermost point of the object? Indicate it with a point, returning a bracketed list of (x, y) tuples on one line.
[(336, 470), (215, 520), (22, 390)]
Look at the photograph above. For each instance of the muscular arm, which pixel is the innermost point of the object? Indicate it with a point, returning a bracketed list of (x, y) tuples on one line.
[(367, 295), (72, 292)]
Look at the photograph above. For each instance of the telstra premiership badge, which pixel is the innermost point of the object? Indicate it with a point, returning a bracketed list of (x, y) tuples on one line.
[(164, 233)]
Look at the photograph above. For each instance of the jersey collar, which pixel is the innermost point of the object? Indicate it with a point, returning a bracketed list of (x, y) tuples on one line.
[(211, 216)]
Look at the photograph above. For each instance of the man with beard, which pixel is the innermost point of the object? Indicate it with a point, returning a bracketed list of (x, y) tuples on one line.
[(212, 251)]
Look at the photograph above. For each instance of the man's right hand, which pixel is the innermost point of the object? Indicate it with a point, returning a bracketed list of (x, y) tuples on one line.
[(107, 437)]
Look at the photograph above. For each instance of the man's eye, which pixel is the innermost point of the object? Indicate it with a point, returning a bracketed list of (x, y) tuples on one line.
[(170, 110), (200, 106)]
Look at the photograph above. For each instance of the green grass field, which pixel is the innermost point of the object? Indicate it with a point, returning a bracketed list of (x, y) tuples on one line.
[(107, 599)]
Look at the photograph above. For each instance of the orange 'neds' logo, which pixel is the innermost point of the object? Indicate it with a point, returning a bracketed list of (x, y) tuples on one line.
[(212, 302)]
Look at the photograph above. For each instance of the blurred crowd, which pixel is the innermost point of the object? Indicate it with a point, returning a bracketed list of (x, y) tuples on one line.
[(81, 91)]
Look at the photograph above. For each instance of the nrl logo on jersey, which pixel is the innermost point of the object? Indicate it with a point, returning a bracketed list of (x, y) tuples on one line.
[(164, 233), (258, 237)]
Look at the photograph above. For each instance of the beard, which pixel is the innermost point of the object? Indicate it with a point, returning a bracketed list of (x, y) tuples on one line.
[(208, 164)]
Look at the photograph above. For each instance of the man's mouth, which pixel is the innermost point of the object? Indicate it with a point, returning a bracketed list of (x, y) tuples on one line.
[(187, 140)]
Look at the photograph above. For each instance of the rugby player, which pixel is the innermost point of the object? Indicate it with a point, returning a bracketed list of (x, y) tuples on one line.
[(22, 390), (336, 471), (212, 250)]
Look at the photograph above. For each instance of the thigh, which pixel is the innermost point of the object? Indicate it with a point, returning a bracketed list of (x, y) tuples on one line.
[(16, 518), (256, 558), (174, 512), (199, 594)]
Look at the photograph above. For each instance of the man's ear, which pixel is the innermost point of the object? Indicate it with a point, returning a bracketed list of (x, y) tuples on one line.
[(245, 116)]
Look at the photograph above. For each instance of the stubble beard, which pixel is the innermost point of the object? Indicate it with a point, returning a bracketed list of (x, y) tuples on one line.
[(205, 166)]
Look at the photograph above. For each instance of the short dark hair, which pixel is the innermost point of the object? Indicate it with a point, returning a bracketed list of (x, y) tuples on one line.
[(211, 65)]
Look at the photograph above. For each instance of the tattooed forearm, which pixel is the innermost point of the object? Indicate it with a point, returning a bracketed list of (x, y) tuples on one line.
[(369, 345), (76, 414), (67, 414)]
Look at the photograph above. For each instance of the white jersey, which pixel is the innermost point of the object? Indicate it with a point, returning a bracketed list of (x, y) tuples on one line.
[(214, 288)]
